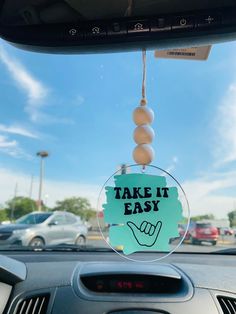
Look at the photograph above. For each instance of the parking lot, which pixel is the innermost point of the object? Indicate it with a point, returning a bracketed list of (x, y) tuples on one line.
[(224, 242)]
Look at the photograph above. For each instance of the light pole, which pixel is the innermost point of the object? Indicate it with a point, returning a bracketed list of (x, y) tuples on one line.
[(42, 155)]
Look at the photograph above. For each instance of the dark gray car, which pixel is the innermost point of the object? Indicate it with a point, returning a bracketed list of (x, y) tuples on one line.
[(44, 228)]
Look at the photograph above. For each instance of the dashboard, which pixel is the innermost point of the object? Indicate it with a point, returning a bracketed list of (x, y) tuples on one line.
[(104, 283)]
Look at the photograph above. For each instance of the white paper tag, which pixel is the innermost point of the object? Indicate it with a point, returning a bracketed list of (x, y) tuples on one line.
[(194, 53)]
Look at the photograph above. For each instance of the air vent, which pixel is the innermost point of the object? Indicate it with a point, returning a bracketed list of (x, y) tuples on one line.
[(228, 305), (34, 305)]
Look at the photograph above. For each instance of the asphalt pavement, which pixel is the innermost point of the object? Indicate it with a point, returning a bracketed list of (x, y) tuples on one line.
[(96, 239)]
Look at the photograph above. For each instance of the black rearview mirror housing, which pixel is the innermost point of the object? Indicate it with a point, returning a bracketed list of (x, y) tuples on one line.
[(72, 26)]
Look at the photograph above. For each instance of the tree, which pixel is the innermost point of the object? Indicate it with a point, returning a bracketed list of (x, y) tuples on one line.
[(232, 218), (3, 215), (79, 206), (203, 217), (20, 206)]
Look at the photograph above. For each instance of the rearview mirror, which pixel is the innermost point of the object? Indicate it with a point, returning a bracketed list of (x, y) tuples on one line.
[(71, 26)]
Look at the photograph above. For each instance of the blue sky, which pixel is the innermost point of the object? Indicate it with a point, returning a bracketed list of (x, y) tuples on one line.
[(79, 108)]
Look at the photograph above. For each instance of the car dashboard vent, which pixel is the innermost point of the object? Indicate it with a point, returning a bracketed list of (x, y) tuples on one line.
[(33, 305), (227, 304)]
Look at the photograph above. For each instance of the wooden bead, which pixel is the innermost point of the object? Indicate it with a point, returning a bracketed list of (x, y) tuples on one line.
[(143, 134), (143, 154), (143, 102), (143, 115)]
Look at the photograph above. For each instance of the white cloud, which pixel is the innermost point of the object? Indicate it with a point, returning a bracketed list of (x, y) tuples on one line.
[(50, 119), (56, 190), (18, 130), (12, 148), (175, 159), (79, 100), (5, 143), (37, 93), (225, 125), (205, 194), (208, 194), (35, 90), (173, 164)]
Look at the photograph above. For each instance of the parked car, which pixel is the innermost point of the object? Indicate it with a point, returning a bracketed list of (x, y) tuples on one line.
[(181, 230), (202, 232), (226, 231), (44, 228)]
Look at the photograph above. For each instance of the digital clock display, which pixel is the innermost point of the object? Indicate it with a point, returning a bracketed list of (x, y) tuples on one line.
[(130, 284), (134, 285)]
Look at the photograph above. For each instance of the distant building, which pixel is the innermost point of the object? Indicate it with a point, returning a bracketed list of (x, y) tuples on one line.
[(218, 223)]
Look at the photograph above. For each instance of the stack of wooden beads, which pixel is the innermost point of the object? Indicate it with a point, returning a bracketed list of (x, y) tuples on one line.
[(143, 116)]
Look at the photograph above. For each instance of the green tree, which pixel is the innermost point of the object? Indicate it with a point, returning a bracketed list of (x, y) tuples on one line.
[(3, 215), (232, 218), (20, 206), (79, 206), (203, 217)]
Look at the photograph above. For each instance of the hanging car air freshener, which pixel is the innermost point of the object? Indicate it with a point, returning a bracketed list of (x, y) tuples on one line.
[(143, 153), (145, 209)]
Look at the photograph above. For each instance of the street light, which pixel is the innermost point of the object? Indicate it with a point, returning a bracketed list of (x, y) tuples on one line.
[(42, 155)]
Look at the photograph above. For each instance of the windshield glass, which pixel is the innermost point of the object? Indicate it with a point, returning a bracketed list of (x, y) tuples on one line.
[(32, 219), (66, 126), (203, 225)]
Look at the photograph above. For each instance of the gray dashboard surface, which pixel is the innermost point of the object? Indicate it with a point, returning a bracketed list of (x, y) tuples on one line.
[(211, 275), (47, 275), (205, 271), (180, 258), (193, 306)]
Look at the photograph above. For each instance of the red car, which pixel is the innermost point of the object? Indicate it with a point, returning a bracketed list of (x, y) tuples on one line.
[(227, 231), (202, 232)]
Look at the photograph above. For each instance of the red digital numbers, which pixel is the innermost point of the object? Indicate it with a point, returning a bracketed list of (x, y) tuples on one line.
[(129, 285), (139, 285), (124, 284)]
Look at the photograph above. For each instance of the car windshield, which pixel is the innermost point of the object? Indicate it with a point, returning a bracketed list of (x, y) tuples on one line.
[(199, 225), (66, 126), (33, 219)]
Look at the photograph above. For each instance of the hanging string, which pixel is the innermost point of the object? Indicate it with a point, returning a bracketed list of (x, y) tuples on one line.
[(143, 169), (143, 135), (129, 10), (144, 100)]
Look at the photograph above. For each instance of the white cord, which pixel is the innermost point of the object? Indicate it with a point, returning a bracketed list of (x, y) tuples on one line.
[(129, 10), (144, 100)]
